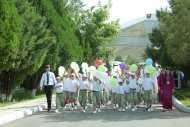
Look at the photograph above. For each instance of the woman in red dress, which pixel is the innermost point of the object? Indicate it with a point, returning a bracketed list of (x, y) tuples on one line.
[(160, 85), (168, 89)]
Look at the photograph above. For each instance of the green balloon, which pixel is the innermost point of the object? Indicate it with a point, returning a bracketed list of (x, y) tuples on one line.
[(101, 68), (113, 81), (151, 69), (133, 67)]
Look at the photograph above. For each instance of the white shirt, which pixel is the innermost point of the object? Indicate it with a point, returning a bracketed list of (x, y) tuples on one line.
[(73, 85), (127, 89), (132, 83), (66, 84), (114, 89), (83, 85), (95, 86), (147, 84), (120, 89), (59, 89), (52, 80), (138, 89)]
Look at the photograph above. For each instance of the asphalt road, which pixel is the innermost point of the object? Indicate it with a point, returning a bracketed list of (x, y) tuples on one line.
[(107, 117)]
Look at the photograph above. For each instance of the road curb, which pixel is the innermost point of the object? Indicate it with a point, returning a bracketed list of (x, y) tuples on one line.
[(21, 114), (177, 104)]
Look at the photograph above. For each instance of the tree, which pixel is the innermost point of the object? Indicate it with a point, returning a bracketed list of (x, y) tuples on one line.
[(174, 27), (94, 29), (10, 23)]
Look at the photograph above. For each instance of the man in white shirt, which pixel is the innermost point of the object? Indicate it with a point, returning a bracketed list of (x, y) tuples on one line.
[(48, 81)]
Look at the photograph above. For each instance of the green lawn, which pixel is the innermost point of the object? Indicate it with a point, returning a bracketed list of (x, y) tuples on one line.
[(183, 95), (20, 96)]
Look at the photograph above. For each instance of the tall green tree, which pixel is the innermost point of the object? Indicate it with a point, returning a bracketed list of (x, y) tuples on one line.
[(174, 29), (67, 47), (93, 25), (10, 23)]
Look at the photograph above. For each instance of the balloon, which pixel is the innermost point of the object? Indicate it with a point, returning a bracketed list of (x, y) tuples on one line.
[(148, 61), (140, 81), (116, 68), (73, 65), (98, 62), (101, 68), (84, 65), (122, 66), (92, 68), (61, 71), (113, 81), (151, 69), (133, 67)]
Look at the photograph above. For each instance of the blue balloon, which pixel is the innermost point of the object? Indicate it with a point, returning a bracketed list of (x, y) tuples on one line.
[(148, 61)]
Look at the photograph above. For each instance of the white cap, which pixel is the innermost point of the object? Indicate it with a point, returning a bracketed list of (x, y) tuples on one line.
[(73, 74), (129, 72), (84, 75), (147, 72), (120, 80), (115, 75), (133, 73), (66, 73)]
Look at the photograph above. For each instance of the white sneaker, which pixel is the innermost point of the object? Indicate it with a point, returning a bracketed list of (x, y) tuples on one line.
[(56, 111), (149, 110), (126, 107), (114, 107), (83, 111), (119, 110), (75, 107), (94, 112), (99, 110), (133, 109), (64, 108), (123, 110), (71, 108)]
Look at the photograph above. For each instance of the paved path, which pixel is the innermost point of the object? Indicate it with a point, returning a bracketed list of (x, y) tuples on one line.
[(107, 117)]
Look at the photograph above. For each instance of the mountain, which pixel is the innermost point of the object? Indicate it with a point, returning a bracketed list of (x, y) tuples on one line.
[(134, 38)]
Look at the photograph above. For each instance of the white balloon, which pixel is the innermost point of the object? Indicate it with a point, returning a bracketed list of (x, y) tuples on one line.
[(73, 65), (92, 68), (84, 65), (140, 81), (61, 71)]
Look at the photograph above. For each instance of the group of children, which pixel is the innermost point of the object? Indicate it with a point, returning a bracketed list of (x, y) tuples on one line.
[(130, 91)]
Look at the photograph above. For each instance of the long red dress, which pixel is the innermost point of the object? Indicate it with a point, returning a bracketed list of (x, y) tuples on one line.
[(160, 84), (168, 86)]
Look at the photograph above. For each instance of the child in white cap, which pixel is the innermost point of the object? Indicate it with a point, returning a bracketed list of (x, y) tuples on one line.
[(133, 93), (148, 87), (96, 94), (83, 87), (120, 95), (73, 89), (60, 97)]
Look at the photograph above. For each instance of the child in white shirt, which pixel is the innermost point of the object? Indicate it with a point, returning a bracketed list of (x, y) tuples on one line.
[(120, 95)]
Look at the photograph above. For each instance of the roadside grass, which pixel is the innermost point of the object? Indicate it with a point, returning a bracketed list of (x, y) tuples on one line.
[(183, 95), (21, 95)]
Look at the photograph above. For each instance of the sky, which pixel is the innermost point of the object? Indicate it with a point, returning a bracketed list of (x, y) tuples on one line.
[(127, 10)]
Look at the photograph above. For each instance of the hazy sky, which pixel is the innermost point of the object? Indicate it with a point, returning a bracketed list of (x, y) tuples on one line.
[(126, 10)]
